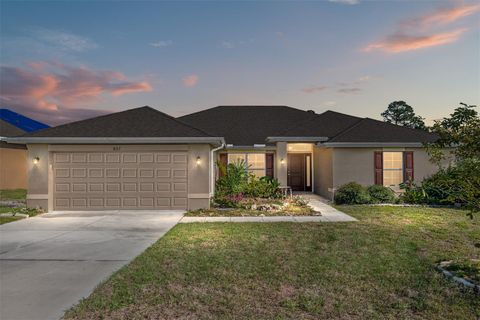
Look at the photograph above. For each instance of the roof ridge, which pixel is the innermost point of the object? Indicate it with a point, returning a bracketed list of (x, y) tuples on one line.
[(397, 125), (299, 123), (74, 122), (347, 129), (182, 122)]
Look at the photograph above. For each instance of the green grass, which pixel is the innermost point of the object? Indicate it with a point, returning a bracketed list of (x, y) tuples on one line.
[(13, 194), (9, 219), (381, 267)]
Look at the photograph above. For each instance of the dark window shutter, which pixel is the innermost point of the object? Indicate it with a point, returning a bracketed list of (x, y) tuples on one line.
[(378, 163), (223, 159), (269, 165), (408, 166)]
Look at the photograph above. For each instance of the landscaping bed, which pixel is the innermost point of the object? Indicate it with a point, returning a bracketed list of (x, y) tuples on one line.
[(381, 267), (295, 206)]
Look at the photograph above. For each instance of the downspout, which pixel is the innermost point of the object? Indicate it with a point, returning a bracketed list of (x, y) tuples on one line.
[(212, 169)]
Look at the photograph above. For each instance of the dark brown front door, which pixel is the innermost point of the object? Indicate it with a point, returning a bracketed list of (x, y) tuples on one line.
[(297, 177)]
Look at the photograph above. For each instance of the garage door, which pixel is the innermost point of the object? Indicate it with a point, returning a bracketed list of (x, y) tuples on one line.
[(120, 180)]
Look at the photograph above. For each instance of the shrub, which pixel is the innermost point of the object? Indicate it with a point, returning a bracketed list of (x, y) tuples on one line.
[(352, 193), (234, 179), (264, 187), (455, 184), (381, 194)]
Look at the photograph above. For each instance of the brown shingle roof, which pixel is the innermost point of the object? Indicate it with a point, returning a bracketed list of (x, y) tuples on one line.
[(246, 125), (370, 130), (139, 122)]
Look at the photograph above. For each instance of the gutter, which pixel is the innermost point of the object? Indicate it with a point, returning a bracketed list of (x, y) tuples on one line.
[(370, 144), (296, 139), (211, 186), (115, 140)]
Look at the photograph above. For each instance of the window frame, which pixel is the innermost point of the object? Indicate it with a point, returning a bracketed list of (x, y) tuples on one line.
[(262, 170), (400, 169)]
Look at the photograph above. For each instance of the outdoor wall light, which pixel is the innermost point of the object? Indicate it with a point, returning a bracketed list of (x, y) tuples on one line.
[(282, 161), (35, 160), (198, 160)]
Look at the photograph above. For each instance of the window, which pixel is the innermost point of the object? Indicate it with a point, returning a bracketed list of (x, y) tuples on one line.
[(299, 147), (255, 162), (392, 168)]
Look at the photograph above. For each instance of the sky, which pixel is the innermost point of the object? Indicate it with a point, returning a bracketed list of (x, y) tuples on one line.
[(65, 61)]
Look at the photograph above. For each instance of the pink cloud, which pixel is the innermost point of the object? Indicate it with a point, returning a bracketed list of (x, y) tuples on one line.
[(314, 89), (442, 16), (190, 80), (50, 85), (401, 42)]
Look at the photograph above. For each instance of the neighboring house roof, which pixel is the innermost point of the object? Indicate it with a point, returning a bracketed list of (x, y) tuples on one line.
[(138, 122), (246, 125), (370, 130), (9, 130), (20, 121)]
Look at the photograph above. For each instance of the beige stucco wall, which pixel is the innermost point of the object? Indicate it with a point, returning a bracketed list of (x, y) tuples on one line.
[(40, 181), (281, 168), (323, 173), (13, 168), (356, 164), (198, 177), (38, 177)]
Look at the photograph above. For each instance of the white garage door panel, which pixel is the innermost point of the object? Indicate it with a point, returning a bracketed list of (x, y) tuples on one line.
[(121, 180)]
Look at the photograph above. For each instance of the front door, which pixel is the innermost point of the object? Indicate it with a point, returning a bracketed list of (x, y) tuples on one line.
[(299, 171)]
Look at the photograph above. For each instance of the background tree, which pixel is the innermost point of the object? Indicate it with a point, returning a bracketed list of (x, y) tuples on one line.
[(400, 113), (461, 130)]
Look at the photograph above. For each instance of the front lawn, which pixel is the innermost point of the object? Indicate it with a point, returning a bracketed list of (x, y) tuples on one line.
[(381, 267), (14, 202), (13, 194)]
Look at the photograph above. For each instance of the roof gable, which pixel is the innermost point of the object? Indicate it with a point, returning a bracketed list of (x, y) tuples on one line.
[(139, 122)]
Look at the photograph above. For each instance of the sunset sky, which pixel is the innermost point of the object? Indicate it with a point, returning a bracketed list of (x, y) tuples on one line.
[(65, 61)]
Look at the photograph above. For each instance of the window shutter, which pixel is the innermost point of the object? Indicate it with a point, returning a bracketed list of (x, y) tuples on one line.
[(269, 165), (378, 164), (223, 159), (408, 166)]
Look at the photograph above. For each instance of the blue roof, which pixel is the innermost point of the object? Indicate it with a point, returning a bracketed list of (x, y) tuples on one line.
[(22, 122)]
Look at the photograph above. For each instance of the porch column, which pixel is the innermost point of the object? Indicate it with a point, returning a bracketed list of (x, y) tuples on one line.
[(281, 168)]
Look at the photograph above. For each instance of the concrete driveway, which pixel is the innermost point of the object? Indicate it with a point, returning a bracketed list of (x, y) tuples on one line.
[(48, 263)]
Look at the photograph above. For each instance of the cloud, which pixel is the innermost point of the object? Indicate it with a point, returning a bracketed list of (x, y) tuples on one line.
[(227, 44), (279, 34), (314, 89), (410, 34), (441, 16), (349, 90), (190, 80), (161, 43), (64, 40), (396, 43), (45, 87), (350, 2)]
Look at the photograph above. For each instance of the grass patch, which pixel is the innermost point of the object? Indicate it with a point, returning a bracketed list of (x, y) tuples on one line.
[(381, 267), (9, 219), (13, 194)]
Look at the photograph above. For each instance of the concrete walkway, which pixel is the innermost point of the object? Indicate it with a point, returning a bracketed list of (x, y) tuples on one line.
[(49, 262), (319, 204)]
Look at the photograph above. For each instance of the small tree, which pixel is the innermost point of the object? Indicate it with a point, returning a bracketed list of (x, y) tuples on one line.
[(400, 113)]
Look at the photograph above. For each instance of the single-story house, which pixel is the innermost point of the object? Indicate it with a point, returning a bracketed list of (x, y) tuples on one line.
[(13, 157), (145, 159)]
